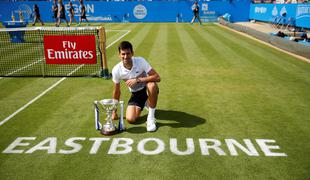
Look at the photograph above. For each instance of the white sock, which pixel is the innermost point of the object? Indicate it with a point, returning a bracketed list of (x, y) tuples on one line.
[(151, 113)]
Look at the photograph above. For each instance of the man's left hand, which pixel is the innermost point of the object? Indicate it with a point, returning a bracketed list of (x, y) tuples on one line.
[(131, 82)]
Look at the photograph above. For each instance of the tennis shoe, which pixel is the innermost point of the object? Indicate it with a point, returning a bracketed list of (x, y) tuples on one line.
[(151, 124)]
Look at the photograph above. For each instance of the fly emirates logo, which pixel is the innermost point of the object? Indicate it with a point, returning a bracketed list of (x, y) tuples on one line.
[(70, 49)]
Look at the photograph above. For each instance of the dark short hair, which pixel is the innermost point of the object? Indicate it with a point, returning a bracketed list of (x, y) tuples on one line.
[(124, 45)]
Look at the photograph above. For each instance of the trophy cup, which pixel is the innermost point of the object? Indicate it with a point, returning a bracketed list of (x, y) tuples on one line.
[(109, 105)]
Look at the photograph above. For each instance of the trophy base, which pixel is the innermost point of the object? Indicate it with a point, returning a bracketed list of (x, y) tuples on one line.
[(108, 133)]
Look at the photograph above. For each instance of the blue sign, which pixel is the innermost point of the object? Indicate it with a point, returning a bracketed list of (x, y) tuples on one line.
[(300, 13), (303, 15), (156, 11)]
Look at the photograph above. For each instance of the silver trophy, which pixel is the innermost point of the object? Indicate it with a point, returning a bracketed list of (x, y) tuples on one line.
[(109, 105)]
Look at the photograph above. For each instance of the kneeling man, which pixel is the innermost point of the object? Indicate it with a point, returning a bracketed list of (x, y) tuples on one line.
[(141, 80)]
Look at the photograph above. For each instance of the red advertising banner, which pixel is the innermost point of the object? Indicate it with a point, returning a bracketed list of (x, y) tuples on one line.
[(70, 49)]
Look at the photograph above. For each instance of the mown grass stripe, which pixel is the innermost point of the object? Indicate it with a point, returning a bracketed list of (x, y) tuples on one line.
[(280, 59), (158, 55), (259, 49), (197, 54), (242, 60), (218, 86), (218, 57), (181, 70), (175, 72), (139, 38), (276, 49), (272, 94), (279, 65), (148, 42), (232, 51), (177, 51), (159, 58)]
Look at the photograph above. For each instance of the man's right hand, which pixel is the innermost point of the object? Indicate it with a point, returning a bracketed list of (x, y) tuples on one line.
[(114, 115)]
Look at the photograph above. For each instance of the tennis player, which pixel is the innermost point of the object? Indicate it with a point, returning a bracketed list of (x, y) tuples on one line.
[(141, 80)]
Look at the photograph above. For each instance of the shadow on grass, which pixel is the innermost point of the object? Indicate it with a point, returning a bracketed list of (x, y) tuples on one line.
[(174, 119)]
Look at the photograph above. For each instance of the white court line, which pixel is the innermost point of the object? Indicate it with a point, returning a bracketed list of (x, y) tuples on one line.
[(112, 30), (32, 101), (22, 68), (128, 31), (51, 87)]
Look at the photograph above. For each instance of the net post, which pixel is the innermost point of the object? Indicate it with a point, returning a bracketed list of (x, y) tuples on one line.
[(104, 72)]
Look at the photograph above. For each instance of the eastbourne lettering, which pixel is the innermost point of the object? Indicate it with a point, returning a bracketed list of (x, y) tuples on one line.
[(147, 146)]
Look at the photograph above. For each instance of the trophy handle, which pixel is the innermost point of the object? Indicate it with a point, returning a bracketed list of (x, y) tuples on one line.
[(98, 125), (121, 125)]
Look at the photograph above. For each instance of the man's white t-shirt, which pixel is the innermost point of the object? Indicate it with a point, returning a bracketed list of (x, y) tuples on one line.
[(140, 68)]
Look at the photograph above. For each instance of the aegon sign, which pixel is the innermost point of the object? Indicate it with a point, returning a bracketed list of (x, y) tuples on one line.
[(208, 147)]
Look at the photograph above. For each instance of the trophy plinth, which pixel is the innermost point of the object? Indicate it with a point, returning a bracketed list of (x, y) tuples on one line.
[(109, 129), (109, 105)]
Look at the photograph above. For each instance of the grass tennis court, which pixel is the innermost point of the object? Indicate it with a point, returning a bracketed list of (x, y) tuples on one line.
[(219, 90)]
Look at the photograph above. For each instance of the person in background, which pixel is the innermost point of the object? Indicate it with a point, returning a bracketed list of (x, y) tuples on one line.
[(21, 16), (196, 13), (37, 16), (304, 36), (55, 12), (71, 15), (62, 14), (83, 13)]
